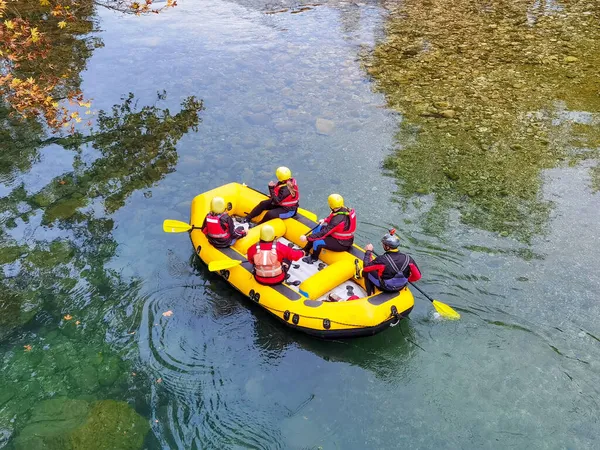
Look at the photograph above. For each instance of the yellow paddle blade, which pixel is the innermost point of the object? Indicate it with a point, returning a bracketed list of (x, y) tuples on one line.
[(175, 226), (445, 311), (309, 215), (215, 266)]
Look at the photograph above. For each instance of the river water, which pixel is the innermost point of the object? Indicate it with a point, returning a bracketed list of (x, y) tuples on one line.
[(519, 370)]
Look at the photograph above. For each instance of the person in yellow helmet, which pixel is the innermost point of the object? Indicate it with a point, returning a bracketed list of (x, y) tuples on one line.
[(271, 259), (283, 201), (219, 227), (335, 232)]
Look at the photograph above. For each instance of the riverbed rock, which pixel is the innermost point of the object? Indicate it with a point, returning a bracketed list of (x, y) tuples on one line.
[(68, 424), (258, 118), (324, 126), (448, 114), (284, 126)]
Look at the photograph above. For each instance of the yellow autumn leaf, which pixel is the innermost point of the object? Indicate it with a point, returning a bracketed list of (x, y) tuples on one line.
[(30, 80), (74, 114), (35, 35), (78, 119), (9, 24), (55, 104), (44, 3), (88, 112), (62, 24), (68, 317)]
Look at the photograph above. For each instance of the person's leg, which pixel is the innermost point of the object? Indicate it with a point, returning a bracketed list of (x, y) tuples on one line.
[(265, 204), (370, 282), (330, 244), (288, 214), (273, 213)]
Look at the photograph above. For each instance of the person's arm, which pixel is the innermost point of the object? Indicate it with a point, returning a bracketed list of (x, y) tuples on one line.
[(373, 265), (251, 253), (337, 223), (227, 223), (415, 273), (285, 252), (283, 193)]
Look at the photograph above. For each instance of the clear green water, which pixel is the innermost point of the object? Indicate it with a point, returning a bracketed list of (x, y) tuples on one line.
[(520, 369)]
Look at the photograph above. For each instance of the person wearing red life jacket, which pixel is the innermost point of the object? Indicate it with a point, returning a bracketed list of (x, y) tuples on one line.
[(218, 226), (283, 201), (271, 259), (391, 271), (336, 232)]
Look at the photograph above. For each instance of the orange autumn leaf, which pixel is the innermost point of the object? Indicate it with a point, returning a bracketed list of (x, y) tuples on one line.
[(168, 313), (27, 348), (159, 380), (61, 182), (68, 317)]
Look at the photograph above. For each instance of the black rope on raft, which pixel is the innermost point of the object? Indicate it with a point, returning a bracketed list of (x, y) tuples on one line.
[(288, 313)]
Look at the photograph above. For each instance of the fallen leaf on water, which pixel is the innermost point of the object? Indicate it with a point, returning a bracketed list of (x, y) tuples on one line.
[(133, 373), (68, 317), (27, 348), (168, 313), (77, 323), (61, 182), (159, 380), (156, 421), (133, 332)]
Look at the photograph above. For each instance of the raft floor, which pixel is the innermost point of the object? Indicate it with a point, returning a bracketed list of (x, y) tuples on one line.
[(301, 270)]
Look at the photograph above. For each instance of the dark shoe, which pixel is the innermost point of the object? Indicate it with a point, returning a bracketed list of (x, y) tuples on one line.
[(308, 259)]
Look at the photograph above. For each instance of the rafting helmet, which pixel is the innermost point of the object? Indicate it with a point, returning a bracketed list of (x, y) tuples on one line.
[(390, 239), (217, 205), (283, 173), (267, 233), (335, 201)]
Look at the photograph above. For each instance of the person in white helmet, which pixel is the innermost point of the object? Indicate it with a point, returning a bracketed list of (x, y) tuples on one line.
[(391, 271)]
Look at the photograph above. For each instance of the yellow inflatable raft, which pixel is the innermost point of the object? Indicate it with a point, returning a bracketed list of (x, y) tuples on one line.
[(300, 302)]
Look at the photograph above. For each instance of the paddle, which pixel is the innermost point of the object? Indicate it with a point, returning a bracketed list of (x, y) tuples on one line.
[(309, 215), (177, 226), (443, 310), (215, 266)]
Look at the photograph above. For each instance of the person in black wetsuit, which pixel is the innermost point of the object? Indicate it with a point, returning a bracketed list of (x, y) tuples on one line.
[(336, 232), (391, 271), (283, 201)]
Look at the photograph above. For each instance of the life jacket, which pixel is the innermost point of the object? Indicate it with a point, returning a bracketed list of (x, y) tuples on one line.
[(293, 199), (266, 262), (214, 229), (398, 281), (349, 233)]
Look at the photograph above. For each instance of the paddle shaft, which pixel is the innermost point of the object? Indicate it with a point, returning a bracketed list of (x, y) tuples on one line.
[(421, 291)]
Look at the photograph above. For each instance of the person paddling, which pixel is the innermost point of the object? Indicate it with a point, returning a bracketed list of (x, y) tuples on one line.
[(271, 259), (283, 201), (218, 226), (391, 271), (335, 232)]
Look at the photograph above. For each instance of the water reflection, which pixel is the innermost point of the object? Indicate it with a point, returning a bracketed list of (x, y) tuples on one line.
[(490, 99), (58, 292)]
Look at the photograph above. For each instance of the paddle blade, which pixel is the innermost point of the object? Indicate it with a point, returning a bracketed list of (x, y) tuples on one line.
[(215, 266), (309, 215), (445, 311), (175, 226)]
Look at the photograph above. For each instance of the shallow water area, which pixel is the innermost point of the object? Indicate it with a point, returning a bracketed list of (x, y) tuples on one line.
[(103, 313)]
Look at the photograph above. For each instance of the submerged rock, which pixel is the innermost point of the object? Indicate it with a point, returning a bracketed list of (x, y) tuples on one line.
[(324, 126), (68, 424)]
